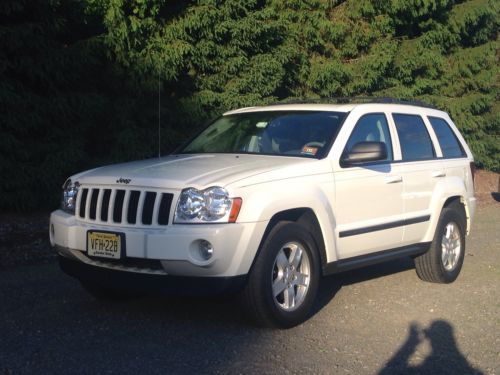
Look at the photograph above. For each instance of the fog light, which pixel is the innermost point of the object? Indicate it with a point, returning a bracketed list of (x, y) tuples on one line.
[(206, 249)]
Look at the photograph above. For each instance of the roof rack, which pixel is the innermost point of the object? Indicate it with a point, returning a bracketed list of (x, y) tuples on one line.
[(358, 100)]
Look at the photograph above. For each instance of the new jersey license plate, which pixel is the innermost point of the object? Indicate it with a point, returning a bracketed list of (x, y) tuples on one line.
[(104, 244)]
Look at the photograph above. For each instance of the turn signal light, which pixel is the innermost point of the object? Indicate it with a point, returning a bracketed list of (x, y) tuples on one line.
[(235, 209)]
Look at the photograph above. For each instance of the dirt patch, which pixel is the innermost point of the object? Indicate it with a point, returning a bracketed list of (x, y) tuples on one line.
[(487, 187)]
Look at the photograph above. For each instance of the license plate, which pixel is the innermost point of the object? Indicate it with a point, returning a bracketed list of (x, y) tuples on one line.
[(105, 244)]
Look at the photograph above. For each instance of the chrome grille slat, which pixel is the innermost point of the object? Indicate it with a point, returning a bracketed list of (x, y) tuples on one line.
[(156, 209), (140, 203), (99, 205), (87, 204), (111, 205), (78, 202), (103, 205), (125, 207)]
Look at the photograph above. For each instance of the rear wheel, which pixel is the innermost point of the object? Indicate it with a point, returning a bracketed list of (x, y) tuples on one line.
[(443, 262), (283, 282)]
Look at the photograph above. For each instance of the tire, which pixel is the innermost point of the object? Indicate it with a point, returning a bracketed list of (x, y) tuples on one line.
[(443, 261), (283, 282), (101, 293)]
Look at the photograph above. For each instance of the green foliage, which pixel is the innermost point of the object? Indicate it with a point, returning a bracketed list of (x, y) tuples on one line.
[(64, 106), (79, 80)]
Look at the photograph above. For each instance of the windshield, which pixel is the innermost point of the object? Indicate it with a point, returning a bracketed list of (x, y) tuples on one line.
[(297, 133)]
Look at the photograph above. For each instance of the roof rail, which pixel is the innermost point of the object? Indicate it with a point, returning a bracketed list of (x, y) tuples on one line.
[(358, 100)]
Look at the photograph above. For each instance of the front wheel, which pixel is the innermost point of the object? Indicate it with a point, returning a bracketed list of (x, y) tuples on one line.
[(443, 261), (283, 282)]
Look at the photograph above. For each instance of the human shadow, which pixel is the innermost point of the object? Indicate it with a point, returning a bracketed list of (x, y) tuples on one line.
[(445, 357)]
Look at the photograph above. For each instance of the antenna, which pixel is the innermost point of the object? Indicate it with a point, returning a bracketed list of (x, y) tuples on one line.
[(159, 116)]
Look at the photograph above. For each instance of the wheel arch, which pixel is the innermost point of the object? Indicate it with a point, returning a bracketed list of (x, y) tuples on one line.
[(305, 217), (444, 203), (459, 200), (447, 192)]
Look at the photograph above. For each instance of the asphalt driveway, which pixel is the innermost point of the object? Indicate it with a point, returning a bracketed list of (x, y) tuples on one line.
[(381, 319)]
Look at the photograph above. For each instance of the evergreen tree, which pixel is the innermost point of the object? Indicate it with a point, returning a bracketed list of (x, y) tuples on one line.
[(79, 80)]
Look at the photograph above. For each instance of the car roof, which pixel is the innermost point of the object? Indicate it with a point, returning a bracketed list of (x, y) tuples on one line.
[(348, 107)]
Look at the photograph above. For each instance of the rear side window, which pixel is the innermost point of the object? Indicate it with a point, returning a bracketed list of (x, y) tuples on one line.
[(447, 140), (415, 141)]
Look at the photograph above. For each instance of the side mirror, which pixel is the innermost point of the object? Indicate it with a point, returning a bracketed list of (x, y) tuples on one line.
[(363, 152)]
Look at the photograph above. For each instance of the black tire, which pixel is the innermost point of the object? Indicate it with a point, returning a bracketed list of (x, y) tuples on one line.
[(101, 293), (430, 266), (258, 297)]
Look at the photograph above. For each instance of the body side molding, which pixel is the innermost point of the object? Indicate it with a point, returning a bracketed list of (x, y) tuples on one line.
[(374, 228)]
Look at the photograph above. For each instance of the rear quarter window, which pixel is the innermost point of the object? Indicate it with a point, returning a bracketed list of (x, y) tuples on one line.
[(450, 146)]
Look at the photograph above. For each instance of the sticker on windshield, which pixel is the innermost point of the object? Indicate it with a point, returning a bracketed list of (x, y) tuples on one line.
[(261, 125), (309, 150)]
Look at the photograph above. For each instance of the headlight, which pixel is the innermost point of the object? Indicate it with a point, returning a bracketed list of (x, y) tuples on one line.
[(70, 192), (209, 205)]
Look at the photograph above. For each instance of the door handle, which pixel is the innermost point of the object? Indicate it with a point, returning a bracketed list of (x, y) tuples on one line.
[(438, 174), (393, 179)]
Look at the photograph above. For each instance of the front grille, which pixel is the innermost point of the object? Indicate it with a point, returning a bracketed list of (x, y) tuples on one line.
[(124, 206)]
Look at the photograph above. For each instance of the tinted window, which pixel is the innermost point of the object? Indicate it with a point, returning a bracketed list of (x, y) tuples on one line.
[(415, 141), (447, 139), (371, 128), (298, 133)]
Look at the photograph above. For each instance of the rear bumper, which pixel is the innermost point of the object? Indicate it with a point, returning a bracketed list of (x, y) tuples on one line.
[(151, 283)]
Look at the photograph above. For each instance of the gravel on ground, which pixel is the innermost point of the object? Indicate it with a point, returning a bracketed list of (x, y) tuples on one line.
[(377, 320)]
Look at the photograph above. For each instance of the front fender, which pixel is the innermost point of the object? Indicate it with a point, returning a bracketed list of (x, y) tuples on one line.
[(264, 200)]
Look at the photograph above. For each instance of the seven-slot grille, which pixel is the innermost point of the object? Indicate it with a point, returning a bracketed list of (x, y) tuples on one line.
[(124, 206)]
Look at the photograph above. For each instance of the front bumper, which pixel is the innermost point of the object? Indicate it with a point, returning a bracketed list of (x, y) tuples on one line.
[(141, 282), (174, 246)]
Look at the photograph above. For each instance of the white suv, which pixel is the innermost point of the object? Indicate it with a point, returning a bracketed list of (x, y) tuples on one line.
[(266, 200)]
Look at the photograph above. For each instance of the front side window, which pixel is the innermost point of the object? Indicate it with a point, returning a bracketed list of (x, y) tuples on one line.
[(415, 141), (297, 133), (447, 140), (371, 128)]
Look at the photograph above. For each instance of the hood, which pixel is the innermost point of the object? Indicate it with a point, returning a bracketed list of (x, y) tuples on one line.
[(181, 171)]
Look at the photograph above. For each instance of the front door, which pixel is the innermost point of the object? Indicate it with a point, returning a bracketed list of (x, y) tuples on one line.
[(369, 198)]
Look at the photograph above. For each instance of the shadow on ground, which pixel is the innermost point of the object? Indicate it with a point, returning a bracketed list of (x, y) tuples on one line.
[(444, 358), (50, 324)]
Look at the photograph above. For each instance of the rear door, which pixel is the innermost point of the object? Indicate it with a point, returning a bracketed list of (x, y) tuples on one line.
[(420, 173)]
